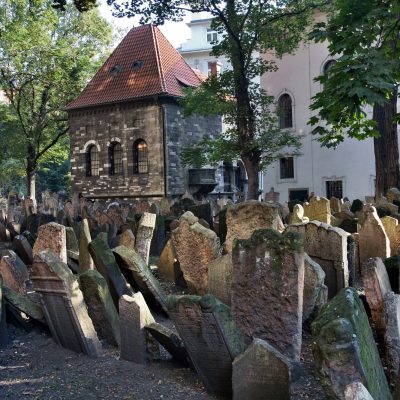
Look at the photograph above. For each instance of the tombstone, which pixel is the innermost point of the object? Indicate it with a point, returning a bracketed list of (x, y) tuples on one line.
[(244, 218), (211, 338), (5, 235), (392, 265), (315, 293), (195, 247), (327, 246), (344, 347), (267, 289), (356, 391), (141, 275), (297, 216), (166, 262), (30, 237), (318, 209), (64, 307), (261, 373), (127, 239), (85, 259), (72, 243), (349, 225), (390, 207), (106, 264), (222, 228), (3, 323), (158, 239), (112, 235), (392, 230), (14, 272), (154, 208), (170, 341), (115, 215), (203, 211), (23, 249), (376, 285), (144, 234), (272, 196), (100, 305), (134, 316), (335, 204), (52, 237), (220, 278), (373, 241), (393, 194)]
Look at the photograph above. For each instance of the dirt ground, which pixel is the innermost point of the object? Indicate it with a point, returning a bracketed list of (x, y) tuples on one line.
[(33, 366)]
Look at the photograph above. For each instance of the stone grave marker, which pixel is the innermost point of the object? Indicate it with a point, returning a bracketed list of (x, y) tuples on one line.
[(63, 304), (261, 373), (166, 262), (23, 249), (85, 259), (203, 211), (356, 391), (195, 247), (267, 289), (211, 338), (335, 204), (5, 235), (144, 235), (318, 209), (127, 239), (392, 230), (158, 239), (297, 216), (220, 278), (14, 272), (72, 243), (52, 237)]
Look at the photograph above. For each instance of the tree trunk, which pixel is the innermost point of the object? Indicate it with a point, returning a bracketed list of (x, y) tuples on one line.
[(252, 168), (386, 147), (31, 175)]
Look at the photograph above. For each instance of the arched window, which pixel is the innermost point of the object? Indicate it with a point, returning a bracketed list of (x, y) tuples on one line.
[(285, 111), (115, 158), (140, 157), (328, 65), (92, 161)]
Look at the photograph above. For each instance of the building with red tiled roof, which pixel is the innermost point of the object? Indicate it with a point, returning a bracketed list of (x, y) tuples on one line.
[(127, 127)]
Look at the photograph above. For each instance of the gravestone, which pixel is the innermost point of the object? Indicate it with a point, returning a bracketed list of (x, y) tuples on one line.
[(267, 289), (195, 247), (106, 264), (72, 243), (100, 305), (63, 304), (14, 272), (134, 316), (376, 285), (142, 276), (327, 246), (220, 278), (356, 391), (318, 209), (158, 239), (211, 338), (166, 262), (261, 373), (85, 259), (344, 347), (5, 235), (52, 237), (297, 216), (335, 204), (372, 239), (127, 239), (3, 323), (144, 235), (244, 218), (23, 249), (203, 211), (392, 230)]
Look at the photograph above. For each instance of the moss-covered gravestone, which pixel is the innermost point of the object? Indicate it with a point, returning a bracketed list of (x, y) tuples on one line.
[(344, 347), (101, 308), (267, 289), (211, 337)]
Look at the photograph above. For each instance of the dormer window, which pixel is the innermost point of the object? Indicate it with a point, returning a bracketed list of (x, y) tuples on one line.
[(212, 35), (136, 65), (115, 70)]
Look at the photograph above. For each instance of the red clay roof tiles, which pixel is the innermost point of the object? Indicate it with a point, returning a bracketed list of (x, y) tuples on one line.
[(163, 71)]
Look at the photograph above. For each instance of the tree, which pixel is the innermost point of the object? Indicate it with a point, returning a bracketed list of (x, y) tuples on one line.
[(247, 28), (46, 58), (364, 35)]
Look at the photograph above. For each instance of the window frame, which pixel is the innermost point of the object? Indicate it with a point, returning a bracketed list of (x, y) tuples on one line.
[(285, 112), (112, 159), (140, 157), (92, 163), (212, 35)]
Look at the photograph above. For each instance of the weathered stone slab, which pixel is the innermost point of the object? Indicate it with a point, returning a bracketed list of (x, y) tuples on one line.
[(327, 246), (356, 391), (244, 218), (144, 234), (72, 243), (5, 235), (169, 340), (14, 272), (85, 259), (318, 209), (63, 305), (376, 285), (23, 249), (372, 239), (211, 338), (159, 238), (261, 373), (127, 239), (297, 216), (141, 274), (100, 305), (52, 237), (336, 204), (134, 316), (391, 226), (220, 278), (195, 247), (107, 266), (344, 347), (166, 262), (267, 289), (203, 211), (3, 323)]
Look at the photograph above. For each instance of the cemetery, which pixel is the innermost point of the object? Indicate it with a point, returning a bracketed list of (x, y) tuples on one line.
[(245, 301)]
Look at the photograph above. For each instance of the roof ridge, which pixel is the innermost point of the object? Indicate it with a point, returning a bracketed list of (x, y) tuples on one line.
[(158, 56)]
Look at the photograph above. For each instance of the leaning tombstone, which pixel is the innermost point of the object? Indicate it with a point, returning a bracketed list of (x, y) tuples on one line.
[(261, 373), (85, 259), (52, 237), (72, 243), (344, 347), (134, 316), (158, 240), (64, 306), (144, 234), (23, 249), (220, 278), (14, 271), (100, 305), (166, 262), (267, 289), (211, 338), (391, 226), (127, 239)]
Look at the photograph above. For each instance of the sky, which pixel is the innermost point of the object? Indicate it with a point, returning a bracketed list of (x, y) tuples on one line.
[(176, 32)]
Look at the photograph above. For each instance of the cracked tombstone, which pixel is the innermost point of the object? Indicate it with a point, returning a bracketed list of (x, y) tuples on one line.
[(63, 305), (134, 316), (261, 373), (195, 247), (144, 235), (85, 259), (211, 337), (267, 289), (52, 237)]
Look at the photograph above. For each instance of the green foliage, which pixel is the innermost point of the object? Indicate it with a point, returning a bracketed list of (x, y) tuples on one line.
[(363, 35)]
